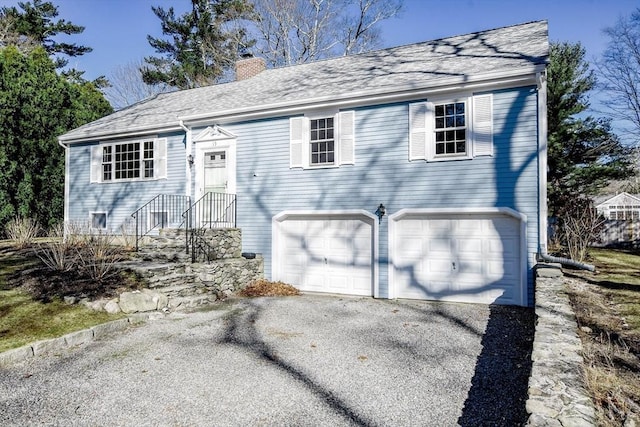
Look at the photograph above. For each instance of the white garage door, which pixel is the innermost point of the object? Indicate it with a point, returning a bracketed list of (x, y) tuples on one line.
[(455, 257), (325, 253)]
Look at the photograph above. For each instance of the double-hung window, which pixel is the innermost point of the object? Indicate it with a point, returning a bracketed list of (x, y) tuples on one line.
[(129, 160), (322, 140), (451, 129)]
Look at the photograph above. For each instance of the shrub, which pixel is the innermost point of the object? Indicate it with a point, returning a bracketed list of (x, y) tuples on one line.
[(56, 253), (97, 256), (22, 231)]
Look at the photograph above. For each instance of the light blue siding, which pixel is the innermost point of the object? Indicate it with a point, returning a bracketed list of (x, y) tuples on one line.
[(119, 199), (383, 174)]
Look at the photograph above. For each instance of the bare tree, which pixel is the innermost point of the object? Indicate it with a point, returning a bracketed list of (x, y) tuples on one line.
[(126, 86), (619, 70), (298, 31)]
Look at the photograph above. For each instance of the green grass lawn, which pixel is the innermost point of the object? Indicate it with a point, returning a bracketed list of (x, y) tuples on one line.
[(618, 275), (24, 319)]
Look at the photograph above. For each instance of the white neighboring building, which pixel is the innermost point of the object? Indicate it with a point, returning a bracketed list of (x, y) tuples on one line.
[(623, 206)]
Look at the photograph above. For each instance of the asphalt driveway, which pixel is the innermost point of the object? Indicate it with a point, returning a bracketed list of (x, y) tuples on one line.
[(310, 360)]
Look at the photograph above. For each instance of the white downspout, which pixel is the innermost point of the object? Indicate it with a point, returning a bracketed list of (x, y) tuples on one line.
[(542, 161), (188, 152), (65, 215)]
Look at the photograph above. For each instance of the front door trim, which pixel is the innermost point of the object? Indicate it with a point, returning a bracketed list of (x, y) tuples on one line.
[(218, 140)]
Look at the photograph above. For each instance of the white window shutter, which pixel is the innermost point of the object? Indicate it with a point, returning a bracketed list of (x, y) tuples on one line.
[(346, 135), (160, 158), (483, 125), (418, 127), (296, 142), (96, 163)]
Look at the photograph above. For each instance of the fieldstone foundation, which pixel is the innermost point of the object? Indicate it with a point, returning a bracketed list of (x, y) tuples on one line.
[(557, 396)]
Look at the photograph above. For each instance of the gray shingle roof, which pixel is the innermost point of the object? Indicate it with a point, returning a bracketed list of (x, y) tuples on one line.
[(509, 51)]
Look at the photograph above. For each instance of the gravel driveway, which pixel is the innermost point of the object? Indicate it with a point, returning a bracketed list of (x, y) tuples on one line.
[(309, 360)]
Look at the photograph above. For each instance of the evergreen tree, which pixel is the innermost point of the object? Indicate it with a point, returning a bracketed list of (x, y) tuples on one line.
[(37, 105), (583, 152), (203, 44), (36, 23)]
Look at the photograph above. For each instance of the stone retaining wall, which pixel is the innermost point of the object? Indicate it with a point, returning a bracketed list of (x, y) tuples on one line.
[(222, 243), (557, 396)]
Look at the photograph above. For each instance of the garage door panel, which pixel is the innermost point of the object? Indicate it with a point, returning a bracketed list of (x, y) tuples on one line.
[(334, 253), (485, 249)]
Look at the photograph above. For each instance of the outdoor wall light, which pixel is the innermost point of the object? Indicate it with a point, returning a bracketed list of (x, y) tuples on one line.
[(190, 159), (380, 212)]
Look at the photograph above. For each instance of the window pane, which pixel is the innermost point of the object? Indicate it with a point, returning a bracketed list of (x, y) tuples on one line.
[(460, 134), (330, 146), (314, 158), (450, 147), (439, 136), (314, 135), (99, 220), (322, 134), (460, 108), (321, 123), (459, 120), (450, 135), (460, 147), (330, 133), (439, 148), (449, 109), (323, 158), (450, 122), (329, 157), (439, 123), (314, 124), (330, 122), (439, 110)]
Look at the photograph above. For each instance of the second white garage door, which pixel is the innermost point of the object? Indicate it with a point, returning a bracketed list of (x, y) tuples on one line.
[(457, 257), (325, 252)]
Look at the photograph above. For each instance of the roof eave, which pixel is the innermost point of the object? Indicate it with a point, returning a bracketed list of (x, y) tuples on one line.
[(510, 78), (131, 132), (396, 94)]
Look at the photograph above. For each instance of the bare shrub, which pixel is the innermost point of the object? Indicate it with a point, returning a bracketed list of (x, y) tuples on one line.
[(56, 253), (97, 256), (128, 235), (22, 231), (580, 226), (74, 232)]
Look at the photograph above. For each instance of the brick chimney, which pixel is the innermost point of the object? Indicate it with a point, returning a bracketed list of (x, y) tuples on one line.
[(249, 67)]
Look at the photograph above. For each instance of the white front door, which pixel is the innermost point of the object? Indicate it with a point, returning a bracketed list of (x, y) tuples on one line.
[(215, 172), (215, 182)]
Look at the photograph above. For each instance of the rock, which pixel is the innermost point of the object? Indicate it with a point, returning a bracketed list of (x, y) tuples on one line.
[(112, 307), (586, 329), (136, 301), (70, 300)]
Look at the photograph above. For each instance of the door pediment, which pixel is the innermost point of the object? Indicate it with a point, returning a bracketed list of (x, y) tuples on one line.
[(212, 133)]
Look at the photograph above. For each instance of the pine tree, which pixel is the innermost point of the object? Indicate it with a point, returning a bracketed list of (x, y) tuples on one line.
[(203, 44), (583, 152), (36, 23)]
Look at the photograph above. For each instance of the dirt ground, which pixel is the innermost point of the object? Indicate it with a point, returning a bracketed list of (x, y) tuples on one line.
[(611, 351)]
